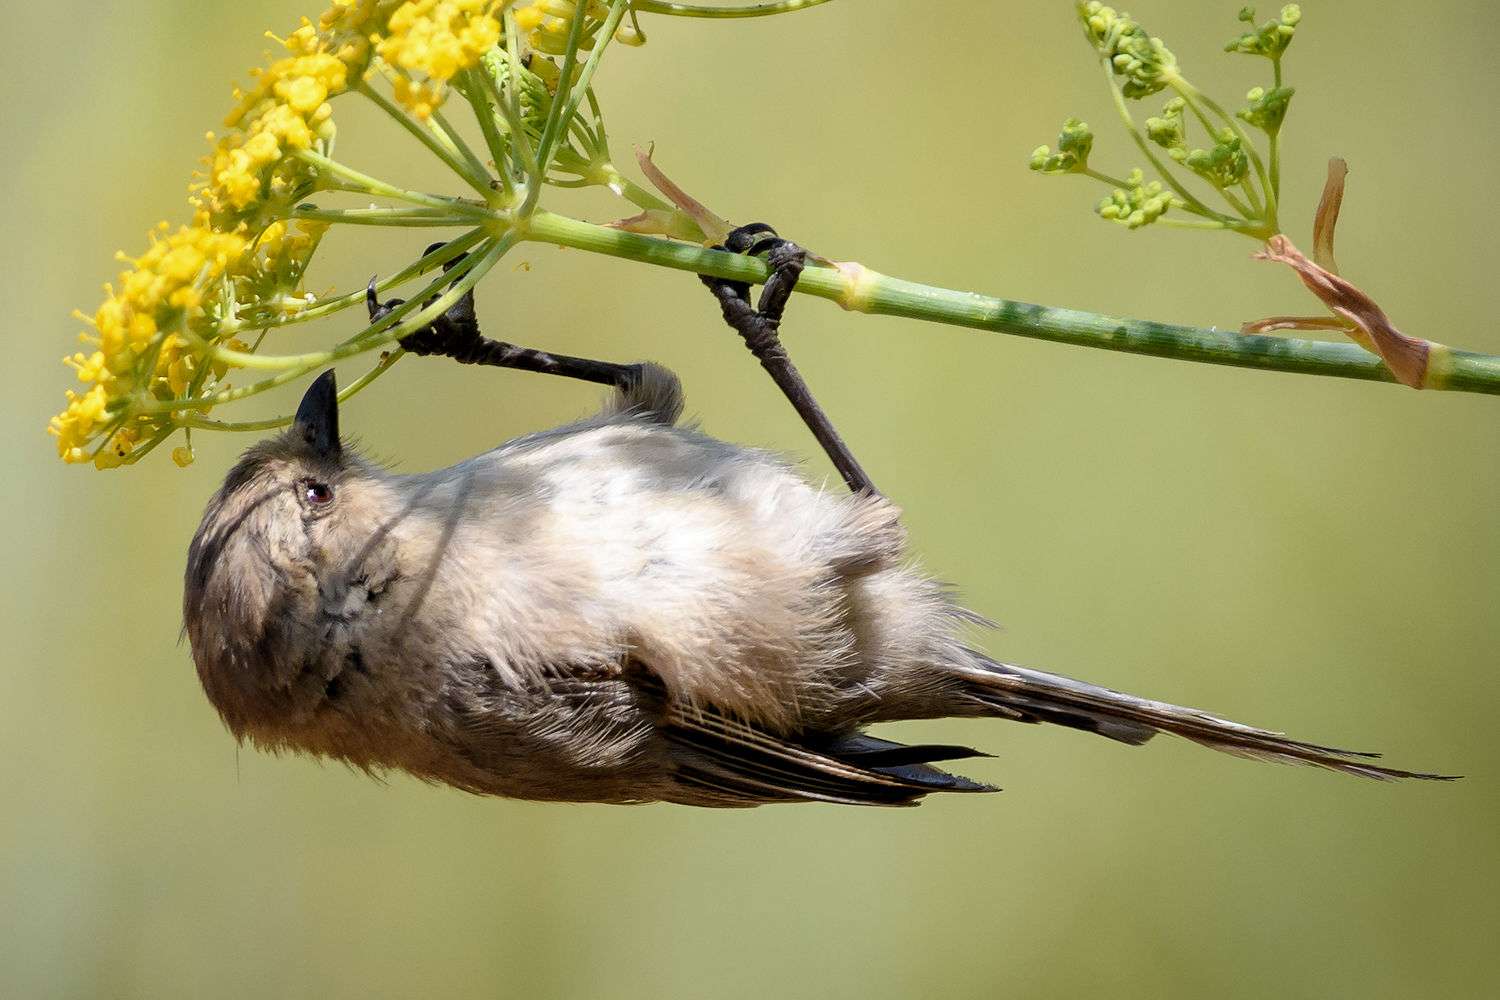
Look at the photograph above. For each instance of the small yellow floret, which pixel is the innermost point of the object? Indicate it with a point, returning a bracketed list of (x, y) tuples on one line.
[(436, 39)]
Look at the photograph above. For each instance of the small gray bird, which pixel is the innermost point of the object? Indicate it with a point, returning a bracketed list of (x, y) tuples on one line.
[(619, 610)]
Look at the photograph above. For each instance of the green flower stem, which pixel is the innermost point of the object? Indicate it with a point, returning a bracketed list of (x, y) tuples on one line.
[(1189, 92), (460, 277), (386, 216), (1235, 203), (189, 419), (1255, 202), (478, 98), (449, 157), (867, 291), (520, 142), (698, 10), (438, 124), (554, 113), (1145, 147), (355, 180), (638, 196), (210, 424), (1106, 178), (326, 307), (1167, 220), (293, 367), (142, 450), (1273, 153), (576, 91), (387, 360)]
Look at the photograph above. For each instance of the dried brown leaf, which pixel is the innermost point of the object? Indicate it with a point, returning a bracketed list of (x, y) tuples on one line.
[(1405, 356), (1327, 217), (660, 222), (1273, 323), (714, 228)]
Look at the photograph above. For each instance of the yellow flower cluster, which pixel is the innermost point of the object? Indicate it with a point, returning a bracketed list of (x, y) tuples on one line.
[(154, 335), (158, 337), (286, 110), (142, 348), (437, 39), (548, 23)]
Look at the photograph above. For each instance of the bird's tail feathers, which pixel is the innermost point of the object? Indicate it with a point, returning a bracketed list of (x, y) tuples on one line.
[(1037, 696)]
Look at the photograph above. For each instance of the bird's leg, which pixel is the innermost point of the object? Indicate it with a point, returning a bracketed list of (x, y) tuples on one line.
[(759, 326), (455, 334)]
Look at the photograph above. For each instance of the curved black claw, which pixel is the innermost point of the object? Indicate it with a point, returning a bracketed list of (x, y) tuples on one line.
[(741, 239), (455, 333), (759, 326), (374, 306)]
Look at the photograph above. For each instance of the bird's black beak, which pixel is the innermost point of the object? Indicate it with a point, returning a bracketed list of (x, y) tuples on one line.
[(317, 421)]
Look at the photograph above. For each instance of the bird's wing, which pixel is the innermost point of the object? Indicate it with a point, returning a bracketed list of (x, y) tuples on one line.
[(721, 761)]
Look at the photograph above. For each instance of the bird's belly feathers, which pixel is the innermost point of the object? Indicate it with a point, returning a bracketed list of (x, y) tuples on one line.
[(721, 570)]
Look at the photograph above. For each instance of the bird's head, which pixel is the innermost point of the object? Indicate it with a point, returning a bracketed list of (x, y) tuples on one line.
[(272, 562)]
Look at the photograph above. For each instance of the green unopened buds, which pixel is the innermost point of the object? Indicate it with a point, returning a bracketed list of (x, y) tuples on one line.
[(1270, 39), (1267, 108), (1074, 143), (1145, 63), (1245, 180), (1223, 166), (1136, 205), (1168, 131)]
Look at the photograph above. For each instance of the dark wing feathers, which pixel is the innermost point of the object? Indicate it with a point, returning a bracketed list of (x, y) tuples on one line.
[(742, 765)]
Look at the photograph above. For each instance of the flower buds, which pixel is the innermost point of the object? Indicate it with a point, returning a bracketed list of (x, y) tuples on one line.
[(1270, 39), (1145, 63), (1137, 205), (1074, 143)]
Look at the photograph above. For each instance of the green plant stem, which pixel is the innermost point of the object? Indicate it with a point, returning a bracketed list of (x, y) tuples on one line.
[(555, 112), (633, 192), (1167, 220), (575, 91), (450, 157), (880, 294), (1145, 147), (1235, 203), (451, 136), (386, 216), (354, 180), (191, 419), (325, 307), (1273, 154), (1255, 202), (700, 10), (1188, 91), (1109, 179), (478, 98), (290, 368), (509, 102)]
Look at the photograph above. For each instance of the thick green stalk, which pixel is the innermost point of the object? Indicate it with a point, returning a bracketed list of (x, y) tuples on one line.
[(860, 289)]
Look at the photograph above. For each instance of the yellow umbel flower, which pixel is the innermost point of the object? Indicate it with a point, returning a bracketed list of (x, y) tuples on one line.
[(436, 38), (162, 334), (154, 336), (140, 347)]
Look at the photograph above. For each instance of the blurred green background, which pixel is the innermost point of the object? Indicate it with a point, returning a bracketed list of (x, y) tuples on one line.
[(1316, 555)]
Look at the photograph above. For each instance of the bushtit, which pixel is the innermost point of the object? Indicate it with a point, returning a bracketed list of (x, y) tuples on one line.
[(618, 610)]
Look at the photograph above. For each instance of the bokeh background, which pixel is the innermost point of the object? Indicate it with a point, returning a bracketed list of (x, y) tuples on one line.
[(1316, 555)]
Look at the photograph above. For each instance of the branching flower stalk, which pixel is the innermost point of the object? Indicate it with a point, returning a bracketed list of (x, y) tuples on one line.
[(206, 301), (1231, 170)]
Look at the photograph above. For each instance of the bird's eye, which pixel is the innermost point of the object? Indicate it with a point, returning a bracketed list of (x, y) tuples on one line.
[(316, 493)]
